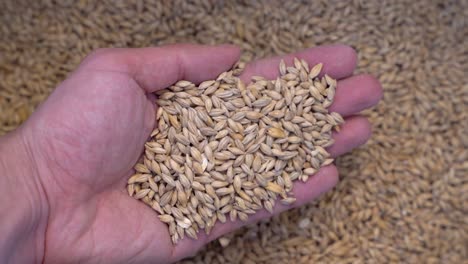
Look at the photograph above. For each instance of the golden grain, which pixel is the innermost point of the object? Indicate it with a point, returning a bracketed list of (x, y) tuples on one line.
[(394, 49), (243, 143)]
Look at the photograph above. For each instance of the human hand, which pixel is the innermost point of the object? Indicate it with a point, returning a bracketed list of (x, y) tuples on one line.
[(84, 140)]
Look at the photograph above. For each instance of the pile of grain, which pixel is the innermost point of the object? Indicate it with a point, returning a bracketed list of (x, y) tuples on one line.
[(224, 148), (401, 198)]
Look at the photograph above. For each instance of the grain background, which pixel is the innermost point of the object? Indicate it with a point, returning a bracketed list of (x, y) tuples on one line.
[(402, 198)]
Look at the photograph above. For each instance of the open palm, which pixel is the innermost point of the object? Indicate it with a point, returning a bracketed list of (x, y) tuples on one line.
[(90, 132)]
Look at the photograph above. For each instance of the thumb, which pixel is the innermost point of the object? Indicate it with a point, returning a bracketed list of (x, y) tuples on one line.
[(158, 67)]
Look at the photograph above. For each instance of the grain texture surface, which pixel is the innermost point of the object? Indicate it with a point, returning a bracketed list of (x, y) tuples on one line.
[(402, 197)]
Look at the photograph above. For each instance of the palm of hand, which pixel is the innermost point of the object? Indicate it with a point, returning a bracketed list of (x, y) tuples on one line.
[(89, 134), (91, 137)]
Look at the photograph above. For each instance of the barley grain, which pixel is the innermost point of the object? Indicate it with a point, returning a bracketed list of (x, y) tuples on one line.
[(394, 49), (226, 148)]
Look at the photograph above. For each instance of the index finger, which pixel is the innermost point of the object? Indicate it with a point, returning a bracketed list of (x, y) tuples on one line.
[(339, 61)]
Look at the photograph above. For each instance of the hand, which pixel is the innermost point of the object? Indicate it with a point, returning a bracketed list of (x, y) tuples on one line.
[(82, 143)]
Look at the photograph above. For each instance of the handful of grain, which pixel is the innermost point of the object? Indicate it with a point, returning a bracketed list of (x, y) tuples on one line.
[(221, 148)]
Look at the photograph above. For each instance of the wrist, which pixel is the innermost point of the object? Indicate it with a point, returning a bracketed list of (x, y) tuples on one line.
[(23, 203)]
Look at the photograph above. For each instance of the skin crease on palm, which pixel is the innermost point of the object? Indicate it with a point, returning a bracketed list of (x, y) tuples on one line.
[(83, 141)]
